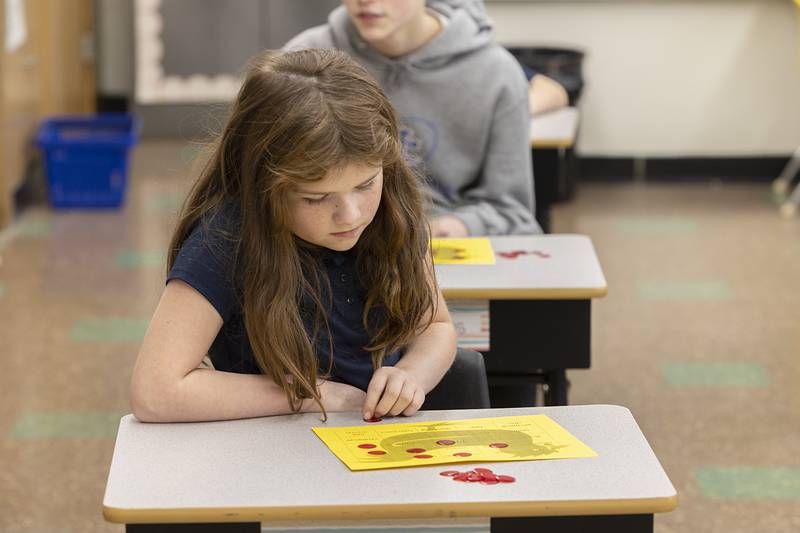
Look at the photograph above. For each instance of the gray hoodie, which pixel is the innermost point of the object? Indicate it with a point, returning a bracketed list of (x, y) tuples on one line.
[(464, 107)]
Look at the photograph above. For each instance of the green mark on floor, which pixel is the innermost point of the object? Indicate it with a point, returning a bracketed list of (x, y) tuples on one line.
[(685, 290), (165, 202), (34, 228), (715, 374), (749, 483), (776, 198), (141, 259), (33, 425), (108, 330), (189, 153), (656, 225)]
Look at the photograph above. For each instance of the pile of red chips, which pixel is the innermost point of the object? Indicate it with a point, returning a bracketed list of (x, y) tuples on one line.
[(478, 475)]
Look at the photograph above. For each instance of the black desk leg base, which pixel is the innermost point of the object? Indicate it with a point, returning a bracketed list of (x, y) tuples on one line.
[(637, 523), (247, 527), (557, 385)]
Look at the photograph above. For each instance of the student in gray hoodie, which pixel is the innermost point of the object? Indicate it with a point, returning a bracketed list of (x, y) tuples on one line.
[(463, 101)]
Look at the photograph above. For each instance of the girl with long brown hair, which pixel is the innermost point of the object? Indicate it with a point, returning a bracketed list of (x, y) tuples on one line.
[(300, 263)]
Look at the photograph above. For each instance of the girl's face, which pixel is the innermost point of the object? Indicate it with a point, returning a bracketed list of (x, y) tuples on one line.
[(379, 20), (334, 211)]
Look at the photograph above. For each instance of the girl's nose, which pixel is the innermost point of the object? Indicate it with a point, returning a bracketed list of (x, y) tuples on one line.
[(347, 210)]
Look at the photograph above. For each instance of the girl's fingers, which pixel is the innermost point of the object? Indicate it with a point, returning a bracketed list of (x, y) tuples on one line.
[(416, 403), (404, 399), (374, 393), (391, 391)]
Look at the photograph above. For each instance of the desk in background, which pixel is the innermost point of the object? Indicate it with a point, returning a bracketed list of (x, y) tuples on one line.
[(552, 138), (245, 472), (539, 311)]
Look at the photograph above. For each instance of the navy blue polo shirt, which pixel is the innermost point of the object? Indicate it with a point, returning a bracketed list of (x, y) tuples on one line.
[(206, 262)]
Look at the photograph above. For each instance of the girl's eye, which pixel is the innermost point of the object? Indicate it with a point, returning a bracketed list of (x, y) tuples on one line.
[(314, 200), (367, 186)]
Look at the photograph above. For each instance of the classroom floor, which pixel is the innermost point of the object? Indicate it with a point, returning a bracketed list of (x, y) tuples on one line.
[(698, 336)]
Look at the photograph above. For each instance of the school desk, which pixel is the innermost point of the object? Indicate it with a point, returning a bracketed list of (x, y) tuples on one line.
[(552, 140), (539, 308), (554, 129), (245, 472)]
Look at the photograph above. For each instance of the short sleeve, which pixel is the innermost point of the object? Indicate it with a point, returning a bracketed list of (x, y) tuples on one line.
[(529, 72), (206, 262)]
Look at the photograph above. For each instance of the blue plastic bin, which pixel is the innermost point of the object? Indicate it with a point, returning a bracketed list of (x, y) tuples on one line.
[(86, 158)]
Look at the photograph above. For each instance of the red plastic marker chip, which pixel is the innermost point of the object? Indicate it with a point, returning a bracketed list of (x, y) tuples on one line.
[(462, 454), (511, 255), (424, 456), (498, 445), (374, 420), (445, 442), (415, 450), (484, 476), (366, 446), (377, 452)]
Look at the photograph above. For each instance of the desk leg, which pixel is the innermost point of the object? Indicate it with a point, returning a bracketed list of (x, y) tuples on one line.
[(557, 385), (546, 174), (637, 523), (246, 527)]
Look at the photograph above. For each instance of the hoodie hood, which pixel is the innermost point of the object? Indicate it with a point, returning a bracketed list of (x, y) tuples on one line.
[(468, 28)]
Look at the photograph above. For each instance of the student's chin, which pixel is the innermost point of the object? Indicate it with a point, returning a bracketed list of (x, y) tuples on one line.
[(342, 246)]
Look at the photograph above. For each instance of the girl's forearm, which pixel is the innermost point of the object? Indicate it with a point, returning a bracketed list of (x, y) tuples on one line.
[(430, 355), (204, 395)]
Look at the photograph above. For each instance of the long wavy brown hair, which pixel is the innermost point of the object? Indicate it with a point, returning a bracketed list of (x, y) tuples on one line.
[(297, 116)]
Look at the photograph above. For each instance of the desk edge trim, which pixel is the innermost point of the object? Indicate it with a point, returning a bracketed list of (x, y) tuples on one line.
[(525, 294), (538, 144), (420, 511)]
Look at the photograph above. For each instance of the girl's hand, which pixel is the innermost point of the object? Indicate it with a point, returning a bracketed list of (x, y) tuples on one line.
[(448, 226), (339, 397), (392, 391)]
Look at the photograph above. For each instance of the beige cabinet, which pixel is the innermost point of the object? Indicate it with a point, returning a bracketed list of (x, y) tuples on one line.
[(50, 73)]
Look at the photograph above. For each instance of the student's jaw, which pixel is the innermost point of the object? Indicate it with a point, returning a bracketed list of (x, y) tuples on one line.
[(338, 242), (343, 241)]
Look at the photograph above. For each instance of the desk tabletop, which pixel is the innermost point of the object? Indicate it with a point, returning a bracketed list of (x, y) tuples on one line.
[(555, 129), (558, 267), (275, 468)]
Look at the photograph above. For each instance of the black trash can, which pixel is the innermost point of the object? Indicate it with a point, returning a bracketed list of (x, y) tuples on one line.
[(556, 170), (564, 65)]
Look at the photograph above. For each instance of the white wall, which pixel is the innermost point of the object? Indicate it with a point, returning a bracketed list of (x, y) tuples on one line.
[(675, 78), (114, 40)]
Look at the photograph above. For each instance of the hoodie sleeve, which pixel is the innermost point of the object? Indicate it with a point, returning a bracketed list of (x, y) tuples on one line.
[(501, 201)]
